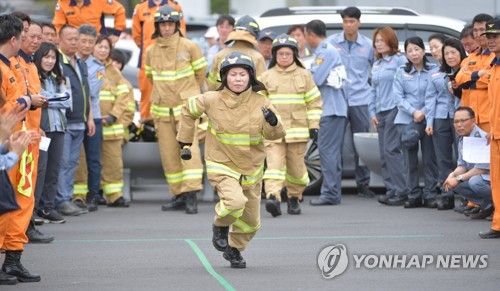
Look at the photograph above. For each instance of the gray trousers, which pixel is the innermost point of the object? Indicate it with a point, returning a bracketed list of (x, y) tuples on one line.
[(330, 142), (476, 190), (49, 163), (444, 144), (391, 156), (359, 120), (429, 165)]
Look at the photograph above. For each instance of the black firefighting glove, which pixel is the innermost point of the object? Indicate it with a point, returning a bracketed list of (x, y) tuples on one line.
[(185, 151), (110, 119), (313, 134), (270, 117)]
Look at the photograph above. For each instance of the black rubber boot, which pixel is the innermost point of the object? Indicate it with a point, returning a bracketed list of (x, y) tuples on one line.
[(273, 206), (6, 279), (219, 238), (293, 206), (234, 257), (12, 266), (177, 203), (191, 202)]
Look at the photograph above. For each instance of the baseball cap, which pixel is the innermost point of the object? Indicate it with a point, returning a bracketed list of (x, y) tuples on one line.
[(493, 26), (412, 133), (267, 33)]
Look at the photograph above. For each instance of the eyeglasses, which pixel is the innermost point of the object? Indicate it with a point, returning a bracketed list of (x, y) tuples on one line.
[(285, 54), (461, 121)]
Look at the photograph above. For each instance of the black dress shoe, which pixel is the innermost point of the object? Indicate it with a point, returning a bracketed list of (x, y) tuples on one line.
[(462, 208), (397, 201), (320, 202), (483, 213), (430, 203), (490, 234), (446, 203), (383, 199), (473, 210), (413, 203)]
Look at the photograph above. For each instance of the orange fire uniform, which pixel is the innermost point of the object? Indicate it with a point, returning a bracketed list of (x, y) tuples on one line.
[(23, 80), (478, 97), (92, 12), (494, 98), (142, 30)]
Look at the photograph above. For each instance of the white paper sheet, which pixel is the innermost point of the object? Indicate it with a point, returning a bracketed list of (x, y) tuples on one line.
[(475, 150), (44, 143)]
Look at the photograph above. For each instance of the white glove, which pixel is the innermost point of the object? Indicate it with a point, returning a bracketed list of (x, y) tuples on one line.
[(336, 77)]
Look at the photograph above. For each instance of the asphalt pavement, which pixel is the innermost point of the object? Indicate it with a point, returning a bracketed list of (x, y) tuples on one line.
[(143, 248)]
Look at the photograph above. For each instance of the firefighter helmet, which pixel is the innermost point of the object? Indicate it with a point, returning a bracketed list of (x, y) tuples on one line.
[(285, 40), (249, 24), (167, 14), (239, 59)]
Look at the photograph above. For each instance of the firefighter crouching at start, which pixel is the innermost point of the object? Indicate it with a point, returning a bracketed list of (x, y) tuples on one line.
[(234, 150), (113, 99), (177, 69), (244, 38), (291, 89)]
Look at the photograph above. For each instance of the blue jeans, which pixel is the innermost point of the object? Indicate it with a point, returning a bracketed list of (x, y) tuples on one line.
[(73, 140), (476, 190), (92, 145)]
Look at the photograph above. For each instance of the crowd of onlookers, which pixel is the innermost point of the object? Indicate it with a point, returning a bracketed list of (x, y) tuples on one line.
[(66, 109)]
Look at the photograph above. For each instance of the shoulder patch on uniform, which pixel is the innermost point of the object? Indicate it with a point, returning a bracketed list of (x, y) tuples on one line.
[(319, 61), (70, 13), (12, 80), (17, 66), (100, 75), (472, 63), (58, 8)]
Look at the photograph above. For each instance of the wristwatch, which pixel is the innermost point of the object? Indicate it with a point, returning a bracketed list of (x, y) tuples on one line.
[(460, 178)]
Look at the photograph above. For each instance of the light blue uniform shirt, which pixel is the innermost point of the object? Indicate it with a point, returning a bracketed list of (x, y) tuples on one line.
[(96, 78), (326, 58), (7, 159), (54, 116), (409, 91), (439, 101), (476, 132), (383, 72), (358, 61)]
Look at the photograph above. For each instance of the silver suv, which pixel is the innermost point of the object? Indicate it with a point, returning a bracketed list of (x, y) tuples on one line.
[(404, 21)]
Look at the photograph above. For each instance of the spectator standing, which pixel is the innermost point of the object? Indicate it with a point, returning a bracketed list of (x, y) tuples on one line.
[(297, 32), (410, 83), (440, 105), (53, 123), (78, 12), (224, 25), (357, 56), (88, 174), (14, 223), (383, 110), (265, 44), (493, 36), (474, 73), (334, 117), (49, 33), (79, 118)]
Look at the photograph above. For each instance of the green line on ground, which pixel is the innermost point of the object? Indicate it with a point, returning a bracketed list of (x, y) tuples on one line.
[(207, 265), (257, 238)]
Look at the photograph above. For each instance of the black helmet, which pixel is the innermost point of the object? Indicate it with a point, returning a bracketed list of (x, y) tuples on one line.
[(236, 59), (249, 24), (239, 59), (285, 40), (167, 14)]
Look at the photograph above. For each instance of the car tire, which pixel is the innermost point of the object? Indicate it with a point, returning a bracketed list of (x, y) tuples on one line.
[(311, 158)]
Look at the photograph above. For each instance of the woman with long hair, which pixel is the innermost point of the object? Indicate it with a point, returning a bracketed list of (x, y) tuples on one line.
[(409, 88), (53, 123), (383, 110), (440, 105)]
